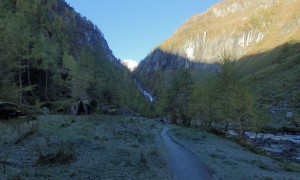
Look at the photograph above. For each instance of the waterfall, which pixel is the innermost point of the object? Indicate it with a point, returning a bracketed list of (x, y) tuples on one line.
[(146, 94)]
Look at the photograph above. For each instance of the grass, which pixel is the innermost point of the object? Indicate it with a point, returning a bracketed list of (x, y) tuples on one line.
[(63, 153), (218, 156), (33, 128), (229, 160), (82, 147), (290, 167)]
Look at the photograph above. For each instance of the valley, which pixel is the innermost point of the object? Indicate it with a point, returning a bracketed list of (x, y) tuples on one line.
[(109, 147), (218, 99)]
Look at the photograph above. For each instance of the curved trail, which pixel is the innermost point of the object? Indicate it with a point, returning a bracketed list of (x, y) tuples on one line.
[(184, 165)]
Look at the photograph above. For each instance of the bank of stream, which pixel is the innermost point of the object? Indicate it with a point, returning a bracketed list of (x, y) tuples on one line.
[(280, 145), (228, 159)]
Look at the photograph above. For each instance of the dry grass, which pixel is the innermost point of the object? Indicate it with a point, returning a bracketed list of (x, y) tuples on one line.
[(229, 160), (82, 147)]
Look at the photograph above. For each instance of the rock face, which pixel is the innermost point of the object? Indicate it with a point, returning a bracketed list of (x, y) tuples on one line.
[(238, 27)]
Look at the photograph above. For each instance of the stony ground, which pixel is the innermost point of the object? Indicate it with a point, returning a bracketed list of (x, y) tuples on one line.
[(229, 160), (82, 147)]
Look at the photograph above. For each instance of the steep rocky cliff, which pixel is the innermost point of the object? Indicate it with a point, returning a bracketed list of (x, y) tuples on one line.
[(238, 28)]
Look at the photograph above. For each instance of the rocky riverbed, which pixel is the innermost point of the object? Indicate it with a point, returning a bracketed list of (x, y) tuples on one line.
[(229, 160), (280, 145)]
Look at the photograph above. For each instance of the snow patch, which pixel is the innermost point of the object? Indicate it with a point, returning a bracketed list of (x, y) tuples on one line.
[(130, 64)]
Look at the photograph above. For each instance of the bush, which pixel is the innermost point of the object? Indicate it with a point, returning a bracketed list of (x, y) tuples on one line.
[(61, 153)]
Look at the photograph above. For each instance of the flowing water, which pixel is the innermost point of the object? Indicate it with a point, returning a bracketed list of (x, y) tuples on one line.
[(147, 94), (281, 145)]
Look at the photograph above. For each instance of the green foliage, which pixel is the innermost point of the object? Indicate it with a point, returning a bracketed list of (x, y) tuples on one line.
[(204, 97), (49, 52), (179, 98), (222, 98), (9, 91), (237, 103)]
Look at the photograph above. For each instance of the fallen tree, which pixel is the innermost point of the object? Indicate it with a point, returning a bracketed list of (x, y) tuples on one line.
[(11, 110)]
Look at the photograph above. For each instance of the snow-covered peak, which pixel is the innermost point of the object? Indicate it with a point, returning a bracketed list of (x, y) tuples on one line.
[(130, 64)]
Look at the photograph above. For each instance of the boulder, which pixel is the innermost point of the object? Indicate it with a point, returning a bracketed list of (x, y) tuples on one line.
[(289, 115), (83, 107)]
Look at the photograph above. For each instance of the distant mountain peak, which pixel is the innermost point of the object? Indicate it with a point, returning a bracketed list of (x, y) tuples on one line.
[(130, 64)]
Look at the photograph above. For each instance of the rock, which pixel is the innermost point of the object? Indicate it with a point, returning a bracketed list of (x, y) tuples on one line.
[(289, 115), (73, 109), (231, 134)]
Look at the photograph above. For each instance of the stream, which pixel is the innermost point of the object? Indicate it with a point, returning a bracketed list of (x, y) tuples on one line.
[(277, 144), (146, 94), (184, 164)]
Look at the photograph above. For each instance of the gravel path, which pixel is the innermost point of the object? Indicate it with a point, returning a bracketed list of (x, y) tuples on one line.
[(184, 164)]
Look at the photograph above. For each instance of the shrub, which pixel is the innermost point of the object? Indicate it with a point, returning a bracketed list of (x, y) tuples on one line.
[(61, 153)]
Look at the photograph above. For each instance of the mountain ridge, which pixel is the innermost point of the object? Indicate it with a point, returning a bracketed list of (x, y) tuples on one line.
[(261, 36), (228, 20)]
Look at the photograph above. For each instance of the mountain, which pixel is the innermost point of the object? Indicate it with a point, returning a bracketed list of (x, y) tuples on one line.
[(130, 64), (262, 36), (237, 27), (52, 56)]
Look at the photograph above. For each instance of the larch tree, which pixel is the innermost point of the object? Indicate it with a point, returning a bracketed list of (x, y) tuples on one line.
[(179, 97)]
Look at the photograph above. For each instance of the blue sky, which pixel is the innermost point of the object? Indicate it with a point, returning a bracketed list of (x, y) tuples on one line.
[(133, 28)]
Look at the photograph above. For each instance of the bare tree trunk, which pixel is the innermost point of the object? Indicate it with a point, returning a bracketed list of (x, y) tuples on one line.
[(46, 86), (29, 78), (226, 127), (20, 84), (28, 73)]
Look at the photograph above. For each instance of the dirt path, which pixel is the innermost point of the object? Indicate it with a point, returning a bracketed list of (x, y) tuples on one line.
[(184, 165)]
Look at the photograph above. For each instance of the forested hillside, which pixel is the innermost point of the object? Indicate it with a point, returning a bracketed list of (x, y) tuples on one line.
[(258, 40), (50, 54)]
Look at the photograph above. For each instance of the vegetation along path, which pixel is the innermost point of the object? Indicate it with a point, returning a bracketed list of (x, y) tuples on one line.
[(183, 163)]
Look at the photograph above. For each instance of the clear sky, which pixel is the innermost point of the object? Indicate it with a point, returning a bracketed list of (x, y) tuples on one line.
[(133, 28)]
